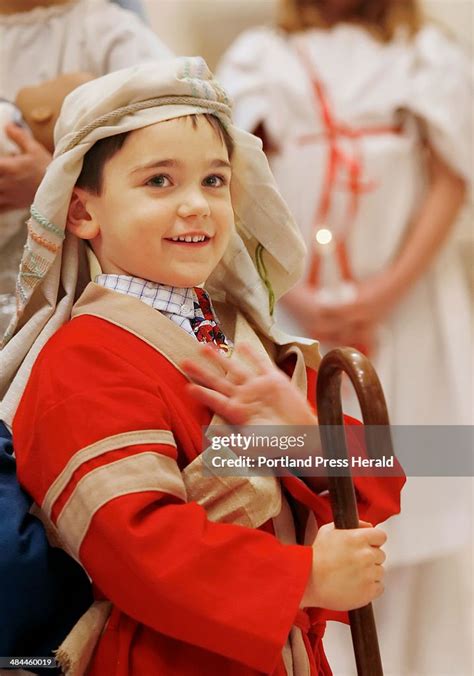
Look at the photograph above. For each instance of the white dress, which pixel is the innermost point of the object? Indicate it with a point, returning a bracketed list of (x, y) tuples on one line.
[(86, 35), (423, 353), (81, 35), (423, 344)]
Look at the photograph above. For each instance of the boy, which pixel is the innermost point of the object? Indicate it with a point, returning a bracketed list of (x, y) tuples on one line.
[(204, 576)]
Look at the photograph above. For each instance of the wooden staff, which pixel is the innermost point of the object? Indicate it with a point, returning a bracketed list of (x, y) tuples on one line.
[(341, 489)]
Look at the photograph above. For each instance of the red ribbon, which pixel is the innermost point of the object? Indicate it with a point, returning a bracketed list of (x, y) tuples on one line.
[(337, 160)]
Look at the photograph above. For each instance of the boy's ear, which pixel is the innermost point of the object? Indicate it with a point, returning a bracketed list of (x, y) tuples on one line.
[(80, 218)]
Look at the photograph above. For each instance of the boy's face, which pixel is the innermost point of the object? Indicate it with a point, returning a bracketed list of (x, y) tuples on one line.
[(168, 183)]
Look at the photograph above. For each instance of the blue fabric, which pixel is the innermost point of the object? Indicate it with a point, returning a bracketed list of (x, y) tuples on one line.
[(133, 5), (43, 591)]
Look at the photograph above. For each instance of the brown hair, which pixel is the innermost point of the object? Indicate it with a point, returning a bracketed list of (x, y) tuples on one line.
[(103, 150), (380, 17)]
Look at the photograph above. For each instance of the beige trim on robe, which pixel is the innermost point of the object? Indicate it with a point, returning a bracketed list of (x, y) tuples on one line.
[(248, 501)]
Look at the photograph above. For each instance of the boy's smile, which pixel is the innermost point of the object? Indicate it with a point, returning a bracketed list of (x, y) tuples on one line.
[(192, 239), (164, 212)]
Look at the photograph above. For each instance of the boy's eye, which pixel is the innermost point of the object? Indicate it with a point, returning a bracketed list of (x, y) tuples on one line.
[(159, 181), (214, 181)]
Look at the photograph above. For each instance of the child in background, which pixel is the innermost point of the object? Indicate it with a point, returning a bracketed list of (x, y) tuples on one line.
[(162, 195), (365, 110), (39, 40)]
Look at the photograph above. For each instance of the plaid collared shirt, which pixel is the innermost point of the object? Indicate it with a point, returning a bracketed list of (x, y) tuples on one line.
[(179, 305)]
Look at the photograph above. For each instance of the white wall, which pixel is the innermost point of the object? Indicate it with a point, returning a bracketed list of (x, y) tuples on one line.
[(458, 15), (207, 27)]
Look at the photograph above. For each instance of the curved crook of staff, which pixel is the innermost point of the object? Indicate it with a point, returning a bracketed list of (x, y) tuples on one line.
[(341, 489)]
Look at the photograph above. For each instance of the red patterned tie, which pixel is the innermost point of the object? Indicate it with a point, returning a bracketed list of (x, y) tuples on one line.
[(206, 329)]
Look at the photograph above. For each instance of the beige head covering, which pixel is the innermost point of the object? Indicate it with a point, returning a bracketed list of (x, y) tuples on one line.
[(265, 255)]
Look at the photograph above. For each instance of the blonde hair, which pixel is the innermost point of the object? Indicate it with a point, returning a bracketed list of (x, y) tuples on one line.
[(379, 17)]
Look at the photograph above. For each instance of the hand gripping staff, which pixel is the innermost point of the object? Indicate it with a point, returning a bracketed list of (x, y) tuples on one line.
[(341, 489)]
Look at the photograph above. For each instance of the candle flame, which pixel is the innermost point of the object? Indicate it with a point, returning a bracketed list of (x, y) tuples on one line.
[(323, 236)]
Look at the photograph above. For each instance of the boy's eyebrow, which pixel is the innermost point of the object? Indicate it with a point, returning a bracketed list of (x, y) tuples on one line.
[(220, 163), (215, 164), (155, 165)]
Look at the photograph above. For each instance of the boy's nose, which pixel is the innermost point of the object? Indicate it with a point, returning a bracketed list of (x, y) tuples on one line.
[(194, 203)]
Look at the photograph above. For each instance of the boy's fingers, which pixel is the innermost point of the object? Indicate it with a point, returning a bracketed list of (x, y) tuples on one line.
[(238, 370), (379, 573), (196, 371), (210, 352), (210, 380), (379, 556), (219, 403), (376, 537), (258, 391), (214, 400), (260, 364), (379, 589)]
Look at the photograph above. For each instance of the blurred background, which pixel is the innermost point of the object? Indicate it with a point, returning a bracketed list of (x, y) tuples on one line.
[(208, 27)]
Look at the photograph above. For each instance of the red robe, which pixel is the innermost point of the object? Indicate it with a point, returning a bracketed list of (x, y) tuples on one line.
[(102, 433)]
